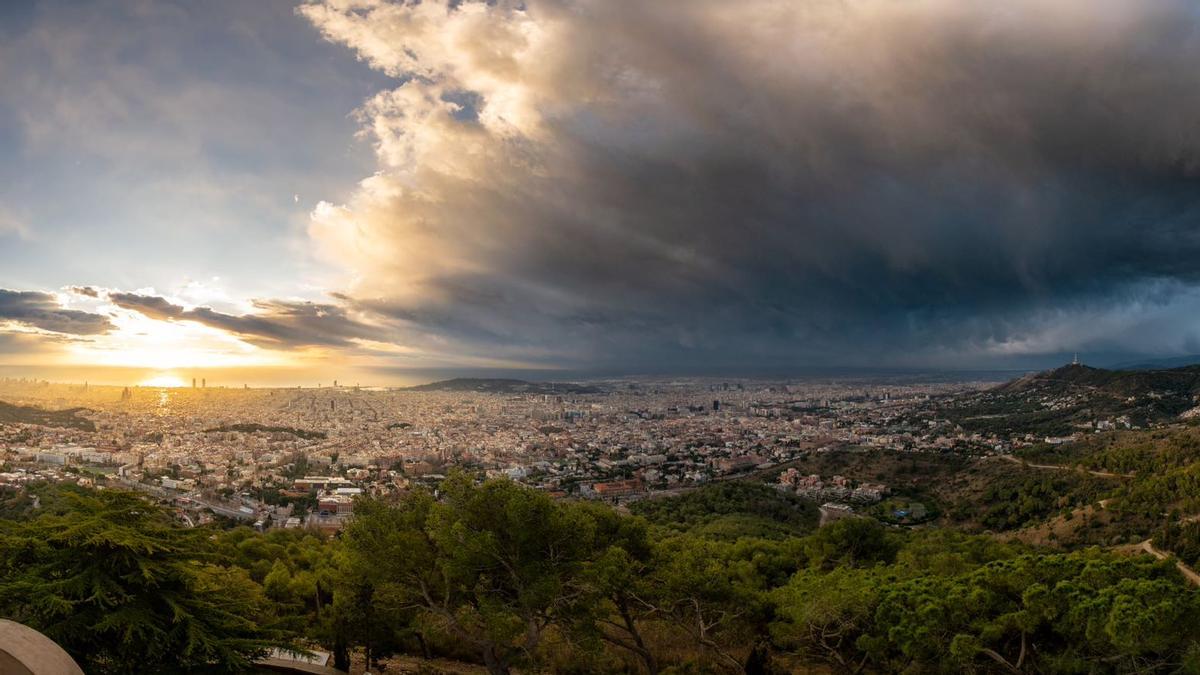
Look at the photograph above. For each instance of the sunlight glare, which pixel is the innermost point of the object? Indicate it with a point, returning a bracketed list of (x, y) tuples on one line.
[(163, 380)]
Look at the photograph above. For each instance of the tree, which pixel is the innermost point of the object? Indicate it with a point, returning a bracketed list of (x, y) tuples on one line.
[(852, 542), (494, 565), (711, 591), (123, 589), (618, 578), (822, 615), (1083, 611)]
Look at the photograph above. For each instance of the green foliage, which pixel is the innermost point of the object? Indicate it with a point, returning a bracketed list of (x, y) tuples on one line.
[(507, 577), (1012, 501), (822, 615), (1077, 612), (1053, 403), (1080, 608), (495, 565), (27, 501), (732, 509), (851, 542), (1182, 539), (123, 589), (714, 592), (1142, 452), (946, 552)]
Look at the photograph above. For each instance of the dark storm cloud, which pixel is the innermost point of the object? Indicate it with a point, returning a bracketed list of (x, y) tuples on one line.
[(42, 310), (771, 181), (277, 323)]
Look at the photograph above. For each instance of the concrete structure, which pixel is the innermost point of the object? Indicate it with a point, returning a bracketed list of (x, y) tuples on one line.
[(24, 651), (619, 488), (316, 663)]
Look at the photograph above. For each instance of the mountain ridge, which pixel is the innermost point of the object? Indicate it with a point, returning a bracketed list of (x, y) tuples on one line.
[(1063, 400)]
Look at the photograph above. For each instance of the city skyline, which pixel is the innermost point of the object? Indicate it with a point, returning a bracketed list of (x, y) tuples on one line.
[(280, 193)]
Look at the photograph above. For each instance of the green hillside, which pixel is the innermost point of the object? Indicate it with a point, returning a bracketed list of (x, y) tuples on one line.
[(505, 577), (68, 419), (1061, 401)]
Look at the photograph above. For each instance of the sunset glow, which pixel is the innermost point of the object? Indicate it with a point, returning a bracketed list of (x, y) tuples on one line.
[(140, 342), (163, 380)]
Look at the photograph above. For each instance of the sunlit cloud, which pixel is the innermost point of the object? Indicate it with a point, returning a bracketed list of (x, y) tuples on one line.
[(629, 183), (45, 311), (141, 342), (612, 184)]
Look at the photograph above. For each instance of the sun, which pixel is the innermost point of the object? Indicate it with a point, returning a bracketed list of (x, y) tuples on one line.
[(167, 346), (163, 380)]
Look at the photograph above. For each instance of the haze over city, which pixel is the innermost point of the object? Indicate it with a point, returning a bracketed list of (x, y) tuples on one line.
[(289, 193)]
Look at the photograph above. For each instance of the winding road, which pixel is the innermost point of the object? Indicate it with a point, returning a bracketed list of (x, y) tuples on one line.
[(1146, 546), (1188, 572)]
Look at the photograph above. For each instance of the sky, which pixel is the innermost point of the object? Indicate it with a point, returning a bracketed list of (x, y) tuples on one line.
[(279, 192)]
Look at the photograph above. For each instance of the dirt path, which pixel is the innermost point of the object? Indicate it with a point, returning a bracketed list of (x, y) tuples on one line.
[(1188, 572), (1057, 467)]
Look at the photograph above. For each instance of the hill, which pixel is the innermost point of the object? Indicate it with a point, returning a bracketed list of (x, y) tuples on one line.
[(1067, 399), (496, 385), (1184, 381), (67, 419)]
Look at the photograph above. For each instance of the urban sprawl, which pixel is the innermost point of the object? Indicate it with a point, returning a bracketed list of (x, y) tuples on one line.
[(296, 458)]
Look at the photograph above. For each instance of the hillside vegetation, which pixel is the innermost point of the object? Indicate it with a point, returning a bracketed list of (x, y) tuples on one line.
[(732, 510), (503, 576), (1060, 401)]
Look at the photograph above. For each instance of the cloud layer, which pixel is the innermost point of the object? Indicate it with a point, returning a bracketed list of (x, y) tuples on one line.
[(43, 311), (613, 184), (769, 181), (275, 324)]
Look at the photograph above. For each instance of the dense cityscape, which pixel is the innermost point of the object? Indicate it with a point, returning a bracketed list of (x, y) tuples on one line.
[(296, 457), (320, 503)]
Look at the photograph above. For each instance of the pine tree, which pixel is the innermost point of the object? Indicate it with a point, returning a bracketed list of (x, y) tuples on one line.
[(124, 589)]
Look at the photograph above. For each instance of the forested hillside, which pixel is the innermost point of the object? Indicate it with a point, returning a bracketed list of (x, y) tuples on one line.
[(1058, 401), (505, 577)]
